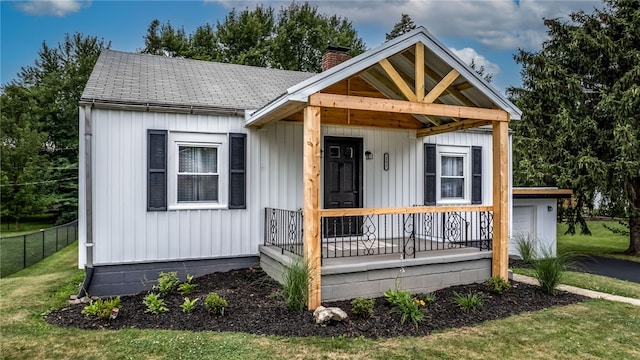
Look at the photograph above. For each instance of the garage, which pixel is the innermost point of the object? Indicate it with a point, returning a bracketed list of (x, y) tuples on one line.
[(534, 216)]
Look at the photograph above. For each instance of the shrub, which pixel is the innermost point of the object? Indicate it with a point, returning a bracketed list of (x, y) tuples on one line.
[(428, 298), (296, 285), (526, 247), (101, 308), (188, 305), (154, 304), (470, 302), (498, 285), (187, 287), (167, 282), (408, 307), (362, 307), (215, 303), (549, 270)]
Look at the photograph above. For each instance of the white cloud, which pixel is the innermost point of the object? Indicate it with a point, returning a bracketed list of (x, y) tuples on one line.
[(52, 7), (468, 54)]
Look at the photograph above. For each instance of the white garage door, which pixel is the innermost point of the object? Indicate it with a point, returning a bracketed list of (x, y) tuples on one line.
[(523, 225)]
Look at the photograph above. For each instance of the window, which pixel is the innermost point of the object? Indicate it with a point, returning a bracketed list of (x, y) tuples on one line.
[(453, 174), (197, 174), (195, 170), (452, 177)]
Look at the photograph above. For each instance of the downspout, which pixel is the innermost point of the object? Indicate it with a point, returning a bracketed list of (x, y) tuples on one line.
[(88, 134)]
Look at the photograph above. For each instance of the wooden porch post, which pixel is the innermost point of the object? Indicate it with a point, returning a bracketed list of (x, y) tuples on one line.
[(311, 202), (500, 263)]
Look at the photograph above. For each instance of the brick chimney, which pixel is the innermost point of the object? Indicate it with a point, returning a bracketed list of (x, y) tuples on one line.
[(334, 55)]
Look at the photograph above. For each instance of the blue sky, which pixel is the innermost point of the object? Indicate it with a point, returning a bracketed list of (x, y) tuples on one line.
[(490, 31)]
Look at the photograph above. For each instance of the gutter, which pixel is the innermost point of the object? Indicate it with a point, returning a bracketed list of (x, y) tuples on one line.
[(160, 107)]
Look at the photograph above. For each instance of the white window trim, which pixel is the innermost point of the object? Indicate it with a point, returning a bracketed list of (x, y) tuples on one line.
[(454, 151), (219, 141)]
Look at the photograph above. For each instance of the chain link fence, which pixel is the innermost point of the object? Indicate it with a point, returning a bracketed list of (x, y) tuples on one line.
[(21, 251)]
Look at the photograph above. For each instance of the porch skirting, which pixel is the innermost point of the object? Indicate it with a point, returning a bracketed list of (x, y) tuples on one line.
[(371, 276)]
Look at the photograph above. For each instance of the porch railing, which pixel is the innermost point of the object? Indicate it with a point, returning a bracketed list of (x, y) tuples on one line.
[(404, 231), (283, 228), (376, 231)]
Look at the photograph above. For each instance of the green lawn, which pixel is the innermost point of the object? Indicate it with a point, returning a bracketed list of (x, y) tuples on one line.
[(602, 242), (27, 225), (589, 330)]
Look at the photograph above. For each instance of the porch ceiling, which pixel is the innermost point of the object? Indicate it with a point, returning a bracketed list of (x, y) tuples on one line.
[(416, 71)]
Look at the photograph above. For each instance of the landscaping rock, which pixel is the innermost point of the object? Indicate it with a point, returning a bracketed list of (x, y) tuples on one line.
[(323, 314)]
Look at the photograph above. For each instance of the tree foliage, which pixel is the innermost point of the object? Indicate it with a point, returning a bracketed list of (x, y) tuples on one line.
[(293, 39), (401, 27), (581, 106), (43, 101)]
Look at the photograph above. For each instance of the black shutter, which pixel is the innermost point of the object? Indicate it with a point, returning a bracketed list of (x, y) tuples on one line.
[(476, 175), (156, 170), (237, 171), (429, 174)]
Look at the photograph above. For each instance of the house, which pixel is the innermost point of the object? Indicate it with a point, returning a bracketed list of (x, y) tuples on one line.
[(397, 159)]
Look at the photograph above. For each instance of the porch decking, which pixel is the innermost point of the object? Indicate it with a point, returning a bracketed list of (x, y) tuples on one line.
[(370, 276)]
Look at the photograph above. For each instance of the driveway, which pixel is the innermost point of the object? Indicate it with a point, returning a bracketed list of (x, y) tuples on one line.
[(619, 269)]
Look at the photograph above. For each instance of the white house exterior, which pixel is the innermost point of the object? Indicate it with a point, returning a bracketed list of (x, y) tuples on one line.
[(177, 167)]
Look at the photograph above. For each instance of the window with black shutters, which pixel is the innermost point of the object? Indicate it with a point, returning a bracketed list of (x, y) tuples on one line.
[(453, 174)]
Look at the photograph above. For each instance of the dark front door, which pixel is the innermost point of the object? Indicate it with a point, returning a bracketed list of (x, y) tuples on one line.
[(342, 183)]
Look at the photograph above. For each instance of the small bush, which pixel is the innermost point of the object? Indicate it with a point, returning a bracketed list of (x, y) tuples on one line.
[(154, 304), (428, 298), (215, 303), (187, 287), (498, 285), (362, 307), (526, 247), (296, 285), (101, 308), (408, 307), (549, 270), (167, 282), (189, 305), (471, 302)]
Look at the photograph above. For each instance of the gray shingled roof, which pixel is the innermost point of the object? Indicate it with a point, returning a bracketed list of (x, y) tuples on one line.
[(126, 78)]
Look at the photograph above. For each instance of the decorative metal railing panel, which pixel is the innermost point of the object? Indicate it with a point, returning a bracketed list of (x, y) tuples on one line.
[(283, 228), (377, 234), (407, 234)]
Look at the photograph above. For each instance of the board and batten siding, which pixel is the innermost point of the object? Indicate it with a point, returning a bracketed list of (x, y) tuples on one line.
[(123, 230)]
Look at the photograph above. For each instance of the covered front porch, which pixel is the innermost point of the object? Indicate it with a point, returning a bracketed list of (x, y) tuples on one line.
[(354, 249)]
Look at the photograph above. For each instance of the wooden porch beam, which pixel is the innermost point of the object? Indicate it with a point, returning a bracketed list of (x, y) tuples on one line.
[(419, 71), (311, 202), (403, 210), (406, 107), (500, 260), (440, 87), (397, 79), (454, 126)]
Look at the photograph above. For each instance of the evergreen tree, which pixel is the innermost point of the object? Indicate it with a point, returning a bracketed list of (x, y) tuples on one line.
[(580, 102), (404, 26), (245, 37)]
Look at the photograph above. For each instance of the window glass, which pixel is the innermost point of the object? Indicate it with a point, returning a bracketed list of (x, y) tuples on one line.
[(197, 174), (452, 177)]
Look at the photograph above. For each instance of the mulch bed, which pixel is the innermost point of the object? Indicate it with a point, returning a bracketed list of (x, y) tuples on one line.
[(251, 309)]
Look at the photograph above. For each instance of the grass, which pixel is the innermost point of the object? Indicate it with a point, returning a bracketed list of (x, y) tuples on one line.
[(592, 329), (27, 225), (602, 242), (594, 282)]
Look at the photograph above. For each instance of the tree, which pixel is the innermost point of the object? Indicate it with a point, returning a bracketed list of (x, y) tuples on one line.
[(580, 101), (404, 26), (488, 77), (23, 170), (49, 94), (302, 36), (202, 44), (246, 37), (164, 39)]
